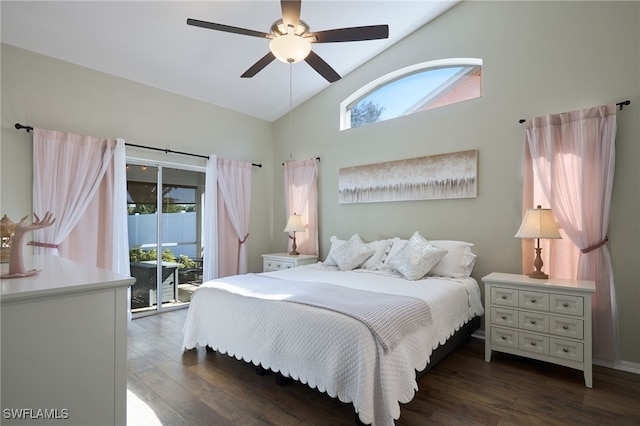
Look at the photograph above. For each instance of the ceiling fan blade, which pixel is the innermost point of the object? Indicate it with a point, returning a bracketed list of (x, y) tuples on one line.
[(371, 32), (290, 11), (318, 64), (259, 66), (226, 28)]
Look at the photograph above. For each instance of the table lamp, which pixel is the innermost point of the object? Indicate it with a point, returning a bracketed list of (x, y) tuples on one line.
[(294, 224), (538, 223)]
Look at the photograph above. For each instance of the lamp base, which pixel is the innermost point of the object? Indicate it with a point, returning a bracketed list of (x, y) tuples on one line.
[(294, 246), (538, 275)]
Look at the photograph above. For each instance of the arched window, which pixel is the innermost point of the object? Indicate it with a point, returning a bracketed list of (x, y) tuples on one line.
[(412, 89)]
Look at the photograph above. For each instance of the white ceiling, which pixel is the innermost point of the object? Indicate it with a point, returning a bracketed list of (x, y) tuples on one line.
[(149, 42)]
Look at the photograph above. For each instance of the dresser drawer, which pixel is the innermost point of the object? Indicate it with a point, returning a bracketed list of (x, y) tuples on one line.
[(570, 305), (504, 337), (567, 349), (567, 327), (534, 300), (533, 321), (504, 317), (534, 343), (276, 265), (504, 296)]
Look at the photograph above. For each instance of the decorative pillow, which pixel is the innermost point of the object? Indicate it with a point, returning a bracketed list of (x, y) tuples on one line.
[(335, 243), (417, 257), (381, 248), (396, 245), (352, 254), (457, 263)]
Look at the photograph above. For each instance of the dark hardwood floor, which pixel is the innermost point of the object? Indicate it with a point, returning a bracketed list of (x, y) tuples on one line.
[(171, 387)]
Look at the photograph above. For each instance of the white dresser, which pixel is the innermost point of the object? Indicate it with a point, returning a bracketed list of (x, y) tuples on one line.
[(64, 345), (543, 319), (277, 261)]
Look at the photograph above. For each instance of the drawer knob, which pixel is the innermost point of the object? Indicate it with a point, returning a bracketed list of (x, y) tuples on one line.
[(533, 343), (503, 296), (565, 304), (504, 317), (565, 350), (503, 337), (533, 300), (565, 327), (533, 322)]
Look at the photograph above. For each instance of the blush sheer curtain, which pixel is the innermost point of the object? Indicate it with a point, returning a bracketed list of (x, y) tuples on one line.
[(82, 181), (301, 197), (569, 166), (234, 201)]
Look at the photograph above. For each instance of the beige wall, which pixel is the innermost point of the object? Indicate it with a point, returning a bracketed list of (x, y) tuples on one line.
[(539, 58), (47, 93)]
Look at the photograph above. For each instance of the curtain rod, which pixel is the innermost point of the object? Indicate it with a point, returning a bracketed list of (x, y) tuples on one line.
[(153, 148), (620, 104), (317, 158)]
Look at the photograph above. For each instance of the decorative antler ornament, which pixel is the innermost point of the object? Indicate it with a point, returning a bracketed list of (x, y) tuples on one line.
[(16, 257)]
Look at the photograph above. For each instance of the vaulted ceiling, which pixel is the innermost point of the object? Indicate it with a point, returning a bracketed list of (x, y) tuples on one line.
[(149, 42)]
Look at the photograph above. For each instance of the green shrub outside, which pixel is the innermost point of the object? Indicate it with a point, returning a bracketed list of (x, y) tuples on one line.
[(137, 255)]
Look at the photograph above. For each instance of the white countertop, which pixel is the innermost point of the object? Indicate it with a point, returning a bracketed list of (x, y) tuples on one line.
[(58, 276)]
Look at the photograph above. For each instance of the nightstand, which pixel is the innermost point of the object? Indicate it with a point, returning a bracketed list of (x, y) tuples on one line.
[(544, 319), (277, 261)]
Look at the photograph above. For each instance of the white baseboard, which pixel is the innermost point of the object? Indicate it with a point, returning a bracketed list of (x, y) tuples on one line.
[(478, 334), (629, 367)]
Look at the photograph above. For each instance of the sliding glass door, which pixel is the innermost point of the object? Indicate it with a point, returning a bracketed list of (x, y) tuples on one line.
[(165, 234)]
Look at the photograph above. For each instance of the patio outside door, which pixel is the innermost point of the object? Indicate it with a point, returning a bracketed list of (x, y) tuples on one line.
[(168, 272)]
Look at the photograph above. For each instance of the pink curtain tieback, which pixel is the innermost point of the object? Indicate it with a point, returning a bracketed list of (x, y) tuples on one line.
[(595, 246), (46, 245), (239, 247)]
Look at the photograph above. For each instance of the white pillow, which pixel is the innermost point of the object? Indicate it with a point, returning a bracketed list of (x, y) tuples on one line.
[(417, 257), (381, 248), (457, 263), (396, 245), (352, 254), (335, 243)]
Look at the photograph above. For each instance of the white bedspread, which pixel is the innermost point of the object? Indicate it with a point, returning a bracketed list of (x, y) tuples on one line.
[(327, 350)]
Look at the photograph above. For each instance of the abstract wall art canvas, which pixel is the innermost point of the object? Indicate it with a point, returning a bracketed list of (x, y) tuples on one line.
[(452, 175)]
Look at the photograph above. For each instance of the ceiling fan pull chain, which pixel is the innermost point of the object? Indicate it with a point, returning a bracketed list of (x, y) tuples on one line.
[(290, 108)]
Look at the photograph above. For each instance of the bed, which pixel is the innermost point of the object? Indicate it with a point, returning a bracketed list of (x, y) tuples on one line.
[(302, 323)]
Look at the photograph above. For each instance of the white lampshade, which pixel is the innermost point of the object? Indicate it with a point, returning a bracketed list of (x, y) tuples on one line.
[(294, 224), (290, 48), (538, 223)]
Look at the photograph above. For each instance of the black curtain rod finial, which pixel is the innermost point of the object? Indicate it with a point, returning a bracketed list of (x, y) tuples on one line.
[(21, 127), (622, 104)]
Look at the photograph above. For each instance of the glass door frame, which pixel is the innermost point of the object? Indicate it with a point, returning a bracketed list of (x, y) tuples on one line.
[(159, 165)]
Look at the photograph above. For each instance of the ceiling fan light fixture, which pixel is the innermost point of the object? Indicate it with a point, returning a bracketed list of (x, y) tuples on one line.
[(290, 48)]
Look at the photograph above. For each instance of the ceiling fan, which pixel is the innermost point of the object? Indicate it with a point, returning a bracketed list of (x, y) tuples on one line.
[(291, 39)]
